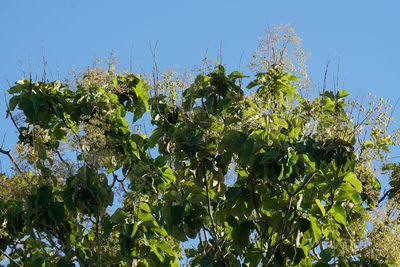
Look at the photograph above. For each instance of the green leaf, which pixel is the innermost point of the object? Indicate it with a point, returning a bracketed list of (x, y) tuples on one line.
[(206, 261), (146, 217), (131, 229), (166, 247), (56, 212), (304, 224), (321, 264), (237, 74), (144, 206), (40, 262), (64, 263), (326, 254), (155, 137), (13, 102), (342, 93), (156, 252), (299, 256), (270, 154), (160, 161), (241, 235), (307, 160), (247, 151), (119, 216), (320, 206), (290, 251), (253, 257), (315, 228), (44, 195), (59, 132), (168, 174), (349, 193), (338, 213), (353, 180), (38, 101), (134, 229), (17, 88), (177, 214), (238, 141), (232, 193), (91, 235)]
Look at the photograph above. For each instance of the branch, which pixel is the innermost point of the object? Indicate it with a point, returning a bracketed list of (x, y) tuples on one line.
[(213, 233), (121, 181), (305, 183), (7, 152), (98, 241), (11, 116), (11, 259), (385, 194)]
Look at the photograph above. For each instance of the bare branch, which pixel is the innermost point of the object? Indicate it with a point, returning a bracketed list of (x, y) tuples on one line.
[(11, 116), (7, 152), (11, 259)]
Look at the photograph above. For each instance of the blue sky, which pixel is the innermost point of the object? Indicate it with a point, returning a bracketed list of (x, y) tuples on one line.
[(364, 34)]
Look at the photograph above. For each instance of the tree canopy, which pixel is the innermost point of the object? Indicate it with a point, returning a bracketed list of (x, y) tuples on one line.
[(118, 169)]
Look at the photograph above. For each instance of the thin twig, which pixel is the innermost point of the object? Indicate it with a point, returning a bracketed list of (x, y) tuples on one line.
[(305, 183), (11, 259), (11, 116), (385, 194), (7, 152)]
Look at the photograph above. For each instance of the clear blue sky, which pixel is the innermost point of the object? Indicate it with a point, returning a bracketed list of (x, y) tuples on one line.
[(365, 34)]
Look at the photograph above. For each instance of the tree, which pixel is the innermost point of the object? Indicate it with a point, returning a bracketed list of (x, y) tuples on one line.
[(258, 175)]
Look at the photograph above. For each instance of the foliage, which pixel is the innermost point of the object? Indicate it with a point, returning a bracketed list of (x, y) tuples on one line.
[(258, 175)]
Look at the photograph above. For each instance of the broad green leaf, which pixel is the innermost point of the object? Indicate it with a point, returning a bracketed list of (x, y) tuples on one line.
[(349, 193), (238, 141), (91, 235), (247, 151), (44, 195), (166, 247), (160, 230), (156, 252), (290, 251), (299, 256), (232, 193), (304, 224), (168, 174), (13, 102), (338, 213), (64, 263), (119, 216), (134, 229), (40, 262), (253, 257), (353, 180), (56, 212), (160, 161), (37, 101), (326, 254), (146, 217), (307, 160), (271, 154), (315, 228), (342, 93), (144, 206), (320, 206), (177, 214)]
